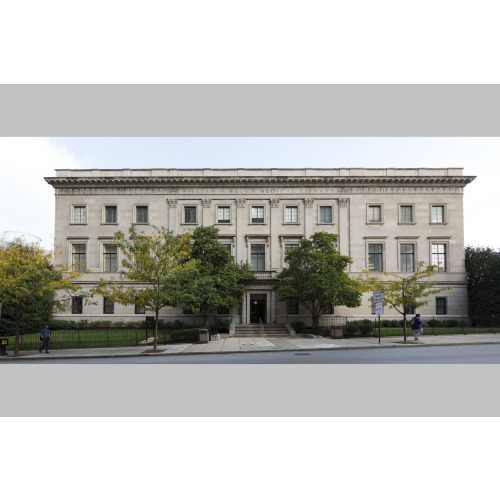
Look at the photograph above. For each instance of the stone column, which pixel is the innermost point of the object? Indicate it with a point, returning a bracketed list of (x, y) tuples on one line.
[(309, 217), (241, 223), (344, 227), (275, 230), (172, 215)]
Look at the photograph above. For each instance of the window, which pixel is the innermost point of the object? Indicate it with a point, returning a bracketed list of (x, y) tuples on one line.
[(110, 264), (328, 310), (141, 215), (110, 215), (222, 310), (80, 215), (108, 306), (291, 215), (290, 246), (406, 214), (139, 309), (257, 215), (407, 258), (441, 306), (224, 215), (325, 215), (410, 309), (187, 311), (76, 305), (437, 214), (375, 257), (439, 256), (79, 257), (374, 213), (258, 257), (292, 307), (189, 215)]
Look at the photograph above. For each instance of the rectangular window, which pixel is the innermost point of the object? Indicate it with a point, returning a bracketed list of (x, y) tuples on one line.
[(292, 307), (406, 213), (76, 305), (222, 310), (224, 215), (374, 213), (325, 215), (258, 257), (437, 215), (108, 306), (290, 246), (291, 215), (257, 215), (79, 258), (441, 306), (110, 215), (141, 215), (375, 257), (439, 256), (329, 310), (110, 264), (410, 309), (80, 215), (187, 311), (407, 258), (189, 215), (139, 309)]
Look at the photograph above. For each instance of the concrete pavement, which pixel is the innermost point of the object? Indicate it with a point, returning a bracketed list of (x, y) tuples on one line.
[(259, 344)]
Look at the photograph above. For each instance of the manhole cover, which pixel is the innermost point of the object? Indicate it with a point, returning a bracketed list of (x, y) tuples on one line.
[(302, 354)]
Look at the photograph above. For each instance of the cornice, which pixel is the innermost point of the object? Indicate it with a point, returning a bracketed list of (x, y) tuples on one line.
[(304, 181)]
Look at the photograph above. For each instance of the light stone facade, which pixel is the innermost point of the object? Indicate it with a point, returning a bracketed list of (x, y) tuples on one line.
[(387, 219)]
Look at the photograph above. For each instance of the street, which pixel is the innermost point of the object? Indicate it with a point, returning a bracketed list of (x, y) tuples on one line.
[(461, 354)]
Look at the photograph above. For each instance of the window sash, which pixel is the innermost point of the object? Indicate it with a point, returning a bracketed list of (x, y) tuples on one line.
[(108, 306), (291, 215), (406, 213), (190, 215), (437, 214), (439, 256), (139, 309), (407, 258), (79, 258), (77, 305), (257, 215), (375, 257), (292, 307), (110, 258), (290, 246), (80, 215), (224, 215), (258, 257), (110, 215), (374, 213), (141, 215), (325, 215), (441, 305)]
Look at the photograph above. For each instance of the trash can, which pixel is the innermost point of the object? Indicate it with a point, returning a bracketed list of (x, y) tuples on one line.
[(3, 347), (203, 336), (337, 332)]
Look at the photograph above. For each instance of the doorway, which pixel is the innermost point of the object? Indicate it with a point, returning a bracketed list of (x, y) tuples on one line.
[(258, 308)]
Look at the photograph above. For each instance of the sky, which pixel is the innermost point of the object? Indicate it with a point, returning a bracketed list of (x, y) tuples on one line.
[(27, 201)]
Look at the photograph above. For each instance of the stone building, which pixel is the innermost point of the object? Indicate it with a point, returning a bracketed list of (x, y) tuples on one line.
[(386, 220)]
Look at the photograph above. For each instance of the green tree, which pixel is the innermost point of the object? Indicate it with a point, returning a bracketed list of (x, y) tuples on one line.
[(220, 280), (157, 272), (315, 276), (403, 292), (482, 266), (28, 275)]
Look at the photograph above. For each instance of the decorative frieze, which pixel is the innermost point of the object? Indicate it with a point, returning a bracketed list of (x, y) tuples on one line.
[(240, 202), (275, 202), (343, 202), (207, 202), (309, 202), (172, 202)]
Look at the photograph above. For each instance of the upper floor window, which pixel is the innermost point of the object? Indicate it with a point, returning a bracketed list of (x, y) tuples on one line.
[(325, 215), (110, 258), (406, 214), (80, 214), (375, 257), (79, 257), (291, 215), (437, 214), (190, 216), (258, 257), (290, 246), (141, 215), (257, 215), (439, 256), (110, 214), (374, 213), (224, 215), (407, 258)]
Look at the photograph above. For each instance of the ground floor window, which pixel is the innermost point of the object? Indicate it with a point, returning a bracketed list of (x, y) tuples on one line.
[(292, 307), (108, 306), (441, 306), (77, 305)]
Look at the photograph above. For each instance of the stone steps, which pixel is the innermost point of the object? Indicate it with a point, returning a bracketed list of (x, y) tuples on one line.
[(255, 330)]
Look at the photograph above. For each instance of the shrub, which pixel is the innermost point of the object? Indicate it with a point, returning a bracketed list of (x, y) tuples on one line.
[(389, 323), (366, 326), (178, 323), (351, 327), (299, 326)]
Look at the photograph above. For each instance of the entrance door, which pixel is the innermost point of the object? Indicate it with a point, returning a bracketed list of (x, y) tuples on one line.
[(258, 308)]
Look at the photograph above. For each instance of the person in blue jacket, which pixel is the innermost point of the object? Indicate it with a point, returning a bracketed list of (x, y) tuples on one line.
[(417, 326), (45, 338)]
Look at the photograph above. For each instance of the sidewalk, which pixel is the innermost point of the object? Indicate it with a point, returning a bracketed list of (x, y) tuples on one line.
[(259, 344)]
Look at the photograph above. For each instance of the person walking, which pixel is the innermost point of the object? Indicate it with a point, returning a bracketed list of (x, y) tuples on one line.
[(417, 326), (45, 338)]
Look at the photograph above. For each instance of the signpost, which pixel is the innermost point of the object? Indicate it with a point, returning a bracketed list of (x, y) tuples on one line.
[(378, 300)]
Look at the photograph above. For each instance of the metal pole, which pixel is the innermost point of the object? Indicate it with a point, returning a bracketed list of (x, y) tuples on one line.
[(379, 328)]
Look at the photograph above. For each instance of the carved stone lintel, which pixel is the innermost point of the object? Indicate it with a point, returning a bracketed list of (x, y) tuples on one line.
[(309, 202), (343, 202), (206, 202), (240, 202), (172, 202), (275, 202)]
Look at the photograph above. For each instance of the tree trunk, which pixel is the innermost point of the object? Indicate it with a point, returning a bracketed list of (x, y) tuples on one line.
[(404, 326), (16, 342), (155, 334), (315, 324)]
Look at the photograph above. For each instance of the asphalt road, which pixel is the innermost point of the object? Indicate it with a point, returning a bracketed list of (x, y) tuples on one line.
[(472, 354)]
